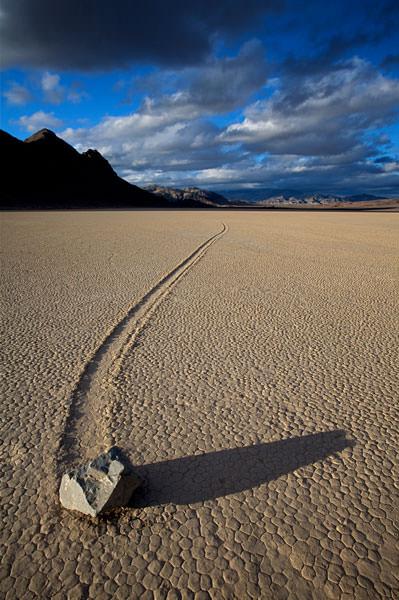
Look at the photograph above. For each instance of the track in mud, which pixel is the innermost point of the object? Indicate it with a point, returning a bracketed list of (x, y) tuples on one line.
[(85, 433)]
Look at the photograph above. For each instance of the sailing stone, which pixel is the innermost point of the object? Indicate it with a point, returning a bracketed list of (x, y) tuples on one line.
[(104, 483)]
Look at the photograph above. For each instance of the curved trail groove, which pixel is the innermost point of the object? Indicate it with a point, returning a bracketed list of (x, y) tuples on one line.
[(85, 428)]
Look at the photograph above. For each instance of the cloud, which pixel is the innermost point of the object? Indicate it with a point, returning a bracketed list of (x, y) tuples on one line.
[(357, 25), (49, 86), (56, 93), (315, 132), (142, 143), (294, 173), (17, 94), (219, 86), (76, 95), (53, 91), (207, 117), (83, 35), (170, 131), (392, 60), (320, 114), (38, 120)]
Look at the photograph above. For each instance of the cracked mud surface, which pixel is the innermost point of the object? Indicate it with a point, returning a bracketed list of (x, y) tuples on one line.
[(259, 400), (82, 434)]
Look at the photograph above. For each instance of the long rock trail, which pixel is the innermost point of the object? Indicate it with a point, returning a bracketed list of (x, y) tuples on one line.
[(85, 431)]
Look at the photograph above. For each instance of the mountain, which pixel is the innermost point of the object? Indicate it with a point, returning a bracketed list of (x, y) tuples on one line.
[(363, 198), (268, 196), (189, 196), (263, 198), (45, 172)]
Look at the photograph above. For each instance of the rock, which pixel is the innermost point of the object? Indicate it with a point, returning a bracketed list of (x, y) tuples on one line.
[(104, 483)]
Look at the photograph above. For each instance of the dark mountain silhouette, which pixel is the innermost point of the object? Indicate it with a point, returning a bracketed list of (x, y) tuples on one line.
[(46, 172)]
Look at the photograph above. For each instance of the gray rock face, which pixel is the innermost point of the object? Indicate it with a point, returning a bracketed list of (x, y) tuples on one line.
[(104, 483)]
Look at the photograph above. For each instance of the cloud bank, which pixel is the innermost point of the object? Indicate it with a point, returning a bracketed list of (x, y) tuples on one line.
[(76, 34), (312, 130), (276, 93)]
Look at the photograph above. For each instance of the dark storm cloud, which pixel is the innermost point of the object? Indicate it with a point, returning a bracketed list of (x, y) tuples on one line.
[(392, 60), (100, 34), (227, 84), (357, 25), (217, 86), (384, 159), (334, 49)]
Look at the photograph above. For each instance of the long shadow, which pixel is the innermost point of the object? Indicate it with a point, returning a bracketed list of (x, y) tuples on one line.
[(207, 476)]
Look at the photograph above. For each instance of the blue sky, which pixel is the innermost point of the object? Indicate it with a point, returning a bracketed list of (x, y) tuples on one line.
[(297, 95)]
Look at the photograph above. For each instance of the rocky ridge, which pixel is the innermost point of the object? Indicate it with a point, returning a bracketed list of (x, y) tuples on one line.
[(189, 195)]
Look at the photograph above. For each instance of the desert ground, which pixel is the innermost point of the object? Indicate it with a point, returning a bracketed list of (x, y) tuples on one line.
[(247, 365)]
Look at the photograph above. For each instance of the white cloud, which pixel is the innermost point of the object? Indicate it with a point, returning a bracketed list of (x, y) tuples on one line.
[(391, 167), (39, 120), (53, 91), (169, 132), (75, 96), (51, 88), (148, 141), (17, 94), (319, 115), (50, 81), (312, 131)]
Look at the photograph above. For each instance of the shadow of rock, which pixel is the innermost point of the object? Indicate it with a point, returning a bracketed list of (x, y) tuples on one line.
[(207, 476)]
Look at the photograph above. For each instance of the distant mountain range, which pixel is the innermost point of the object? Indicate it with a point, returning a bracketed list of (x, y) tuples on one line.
[(189, 195), (280, 196), (268, 198), (45, 172)]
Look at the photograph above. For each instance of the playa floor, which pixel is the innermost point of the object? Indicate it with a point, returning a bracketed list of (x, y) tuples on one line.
[(247, 365)]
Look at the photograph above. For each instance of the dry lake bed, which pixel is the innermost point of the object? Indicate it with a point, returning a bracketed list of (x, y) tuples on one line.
[(247, 365)]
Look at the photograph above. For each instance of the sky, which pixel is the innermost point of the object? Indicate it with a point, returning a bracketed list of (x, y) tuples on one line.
[(300, 95)]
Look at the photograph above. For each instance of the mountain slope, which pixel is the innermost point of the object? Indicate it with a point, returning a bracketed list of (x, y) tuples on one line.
[(189, 196), (44, 171)]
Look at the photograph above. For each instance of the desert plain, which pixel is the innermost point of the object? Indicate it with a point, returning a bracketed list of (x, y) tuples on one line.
[(247, 365)]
